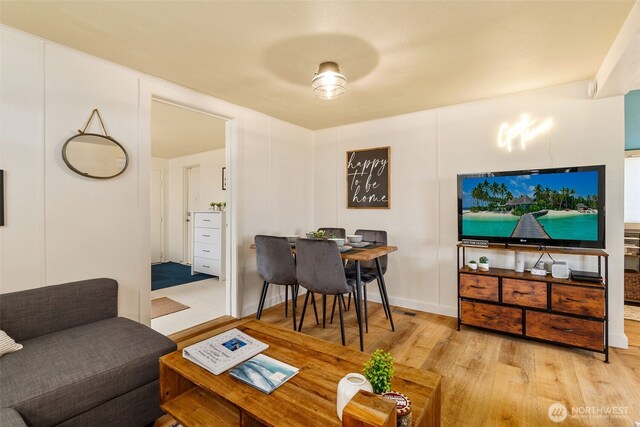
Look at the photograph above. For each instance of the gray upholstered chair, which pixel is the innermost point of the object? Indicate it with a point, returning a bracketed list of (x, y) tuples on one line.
[(369, 272), (321, 271), (332, 231), (276, 266)]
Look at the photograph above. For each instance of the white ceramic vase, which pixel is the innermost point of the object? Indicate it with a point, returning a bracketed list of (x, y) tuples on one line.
[(348, 387)]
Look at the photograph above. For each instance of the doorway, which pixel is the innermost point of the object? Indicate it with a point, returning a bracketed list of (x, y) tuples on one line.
[(632, 243), (192, 204), (157, 216), (188, 153)]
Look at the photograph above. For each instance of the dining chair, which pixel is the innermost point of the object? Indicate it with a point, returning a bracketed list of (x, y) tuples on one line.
[(320, 270), (276, 266), (370, 271)]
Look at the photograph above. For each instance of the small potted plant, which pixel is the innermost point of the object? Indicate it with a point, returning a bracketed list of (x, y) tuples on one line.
[(483, 265), (472, 264), (222, 206), (320, 234), (379, 371), (214, 206)]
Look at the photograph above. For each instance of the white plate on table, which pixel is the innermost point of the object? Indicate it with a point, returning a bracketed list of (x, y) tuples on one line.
[(360, 244), (345, 248)]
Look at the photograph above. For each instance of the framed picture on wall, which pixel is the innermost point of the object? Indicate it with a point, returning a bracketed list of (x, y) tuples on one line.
[(368, 178)]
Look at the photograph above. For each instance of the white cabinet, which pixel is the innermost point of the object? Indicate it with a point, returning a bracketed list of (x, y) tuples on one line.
[(209, 244)]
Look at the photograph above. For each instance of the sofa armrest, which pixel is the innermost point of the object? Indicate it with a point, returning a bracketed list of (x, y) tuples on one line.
[(40, 311), (9, 417)]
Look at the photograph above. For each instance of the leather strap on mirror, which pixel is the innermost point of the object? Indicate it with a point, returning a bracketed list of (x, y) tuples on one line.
[(94, 112)]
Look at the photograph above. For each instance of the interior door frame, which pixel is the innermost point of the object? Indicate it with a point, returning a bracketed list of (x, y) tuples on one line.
[(151, 89), (186, 226), (163, 214)]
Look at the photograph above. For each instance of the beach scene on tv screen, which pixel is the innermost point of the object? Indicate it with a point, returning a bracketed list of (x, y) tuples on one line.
[(562, 206)]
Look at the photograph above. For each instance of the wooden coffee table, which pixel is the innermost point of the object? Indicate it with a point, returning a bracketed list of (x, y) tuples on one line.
[(196, 397)]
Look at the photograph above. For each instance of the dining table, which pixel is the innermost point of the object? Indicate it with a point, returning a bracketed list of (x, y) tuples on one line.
[(371, 252)]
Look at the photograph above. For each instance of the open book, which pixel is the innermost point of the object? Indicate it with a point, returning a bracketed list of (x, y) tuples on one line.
[(225, 350), (264, 373)]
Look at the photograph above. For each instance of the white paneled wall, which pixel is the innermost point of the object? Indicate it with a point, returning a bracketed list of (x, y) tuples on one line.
[(285, 179), (90, 223), (429, 149), (412, 221), (22, 158), (63, 227)]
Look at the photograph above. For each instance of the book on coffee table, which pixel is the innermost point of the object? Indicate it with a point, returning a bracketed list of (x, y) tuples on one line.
[(225, 350), (264, 373)]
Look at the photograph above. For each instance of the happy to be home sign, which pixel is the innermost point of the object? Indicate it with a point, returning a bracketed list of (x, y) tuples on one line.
[(368, 178)]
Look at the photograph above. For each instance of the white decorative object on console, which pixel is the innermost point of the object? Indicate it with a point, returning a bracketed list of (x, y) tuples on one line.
[(209, 244), (348, 387), (560, 270)]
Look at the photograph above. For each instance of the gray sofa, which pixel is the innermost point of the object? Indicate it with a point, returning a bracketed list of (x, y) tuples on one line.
[(81, 365)]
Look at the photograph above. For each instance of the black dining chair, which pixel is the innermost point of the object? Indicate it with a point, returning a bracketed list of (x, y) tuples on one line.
[(276, 266), (370, 271), (339, 233), (321, 271)]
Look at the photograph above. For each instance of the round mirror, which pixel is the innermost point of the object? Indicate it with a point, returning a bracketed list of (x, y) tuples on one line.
[(95, 156)]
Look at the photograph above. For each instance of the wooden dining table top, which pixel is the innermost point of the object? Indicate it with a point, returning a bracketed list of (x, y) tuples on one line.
[(368, 253)]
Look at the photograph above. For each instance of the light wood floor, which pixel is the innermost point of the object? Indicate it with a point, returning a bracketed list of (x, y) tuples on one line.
[(494, 380)]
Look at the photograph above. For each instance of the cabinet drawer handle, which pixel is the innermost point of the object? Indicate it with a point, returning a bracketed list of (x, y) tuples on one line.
[(206, 250), (576, 300), (490, 317), (561, 329), (476, 287), (206, 220), (206, 235), (206, 266), (522, 293)]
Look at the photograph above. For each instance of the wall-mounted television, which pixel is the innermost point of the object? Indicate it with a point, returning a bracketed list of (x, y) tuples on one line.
[(542, 207)]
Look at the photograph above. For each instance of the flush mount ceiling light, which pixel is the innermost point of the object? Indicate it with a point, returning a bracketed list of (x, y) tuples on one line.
[(328, 83)]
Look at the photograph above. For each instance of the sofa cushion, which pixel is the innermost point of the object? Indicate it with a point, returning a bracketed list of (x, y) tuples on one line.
[(10, 418), (59, 375), (7, 344), (34, 312)]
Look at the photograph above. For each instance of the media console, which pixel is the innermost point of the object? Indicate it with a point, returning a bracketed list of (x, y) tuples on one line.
[(560, 311)]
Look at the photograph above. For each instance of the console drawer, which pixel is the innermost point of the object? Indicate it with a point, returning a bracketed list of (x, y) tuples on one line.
[(207, 219), (207, 250), (480, 287), (206, 235), (527, 293), (578, 300), (568, 330), (506, 319), (207, 266)]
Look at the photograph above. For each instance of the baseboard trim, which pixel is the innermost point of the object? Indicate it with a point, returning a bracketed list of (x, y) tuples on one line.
[(618, 341), (444, 310), (270, 301)]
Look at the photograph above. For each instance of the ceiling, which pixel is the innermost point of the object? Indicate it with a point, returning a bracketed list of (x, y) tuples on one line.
[(398, 57), (177, 131)]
